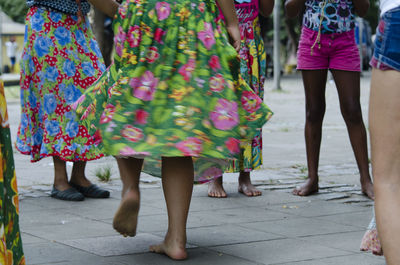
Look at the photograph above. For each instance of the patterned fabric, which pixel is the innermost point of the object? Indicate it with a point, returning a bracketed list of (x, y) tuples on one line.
[(60, 60), (338, 15), (64, 6), (172, 90), (11, 252), (246, 10), (252, 68), (370, 240)]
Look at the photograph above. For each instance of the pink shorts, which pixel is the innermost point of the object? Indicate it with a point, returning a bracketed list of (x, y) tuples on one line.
[(336, 51)]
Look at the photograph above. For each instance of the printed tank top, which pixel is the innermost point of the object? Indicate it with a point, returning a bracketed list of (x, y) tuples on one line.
[(246, 10), (338, 15)]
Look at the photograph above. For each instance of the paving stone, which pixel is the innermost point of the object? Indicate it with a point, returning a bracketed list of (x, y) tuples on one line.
[(29, 239), (196, 256), (300, 226), (45, 218), (233, 216), (355, 200), (316, 208), (116, 245), (330, 186), (333, 196), (42, 253), (226, 234), (272, 198), (360, 219), (349, 241), (358, 259), (72, 230), (277, 187), (346, 189), (279, 251)]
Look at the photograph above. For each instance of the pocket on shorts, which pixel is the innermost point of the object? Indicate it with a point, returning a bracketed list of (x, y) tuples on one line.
[(391, 35)]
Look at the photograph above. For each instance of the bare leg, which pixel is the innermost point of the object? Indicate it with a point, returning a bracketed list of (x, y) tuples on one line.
[(245, 185), (177, 179), (78, 176), (216, 189), (384, 121), (314, 87), (60, 174), (125, 219), (348, 86)]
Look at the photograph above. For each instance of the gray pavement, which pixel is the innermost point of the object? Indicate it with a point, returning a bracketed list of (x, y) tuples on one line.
[(276, 228)]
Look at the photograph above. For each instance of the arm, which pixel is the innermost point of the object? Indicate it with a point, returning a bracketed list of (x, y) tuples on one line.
[(109, 7), (266, 7), (232, 23), (361, 7), (293, 7)]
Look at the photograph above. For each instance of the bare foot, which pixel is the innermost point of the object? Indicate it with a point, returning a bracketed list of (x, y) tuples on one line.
[(215, 188), (308, 188), (174, 250), (125, 219), (368, 189), (246, 187)]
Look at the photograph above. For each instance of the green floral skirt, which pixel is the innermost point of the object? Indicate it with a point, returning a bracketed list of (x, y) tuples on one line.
[(11, 252), (173, 90)]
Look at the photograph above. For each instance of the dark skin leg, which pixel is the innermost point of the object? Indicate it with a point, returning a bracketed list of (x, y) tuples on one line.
[(61, 177), (216, 189), (60, 174), (245, 185), (314, 87), (78, 174), (125, 219), (348, 86)]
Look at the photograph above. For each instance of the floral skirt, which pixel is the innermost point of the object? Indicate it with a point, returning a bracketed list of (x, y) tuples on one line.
[(252, 69), (174, 89), (60, 60), (11, 252)]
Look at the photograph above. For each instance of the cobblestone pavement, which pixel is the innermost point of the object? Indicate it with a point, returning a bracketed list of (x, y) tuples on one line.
[(276, 228)]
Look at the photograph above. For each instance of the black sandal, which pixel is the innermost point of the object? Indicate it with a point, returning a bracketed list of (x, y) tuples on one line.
[(70, 194), (92, 191)]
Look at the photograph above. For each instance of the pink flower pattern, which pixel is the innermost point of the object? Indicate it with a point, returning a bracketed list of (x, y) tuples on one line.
[(163, 10), (225, 115), (207, 36), (145, 86), (192, 146)]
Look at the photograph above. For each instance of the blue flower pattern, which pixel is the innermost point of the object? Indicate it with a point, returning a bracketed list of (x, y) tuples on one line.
[(42, 46), (88, 69), (51, 74), (71, 93), (72, 128), (55, 17), (37, 21), (50, 103), (52, 127), (69, 68), (63, 35)]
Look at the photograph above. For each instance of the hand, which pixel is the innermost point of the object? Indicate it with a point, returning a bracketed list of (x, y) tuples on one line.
[(234, 36)]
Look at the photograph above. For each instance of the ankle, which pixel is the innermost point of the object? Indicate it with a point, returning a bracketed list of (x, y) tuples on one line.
[(313, 178)]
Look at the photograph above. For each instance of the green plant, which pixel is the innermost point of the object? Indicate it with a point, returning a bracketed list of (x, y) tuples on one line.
[(104, 173)]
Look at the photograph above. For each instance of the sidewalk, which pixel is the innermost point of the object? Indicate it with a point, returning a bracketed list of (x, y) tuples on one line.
[(276, 228)]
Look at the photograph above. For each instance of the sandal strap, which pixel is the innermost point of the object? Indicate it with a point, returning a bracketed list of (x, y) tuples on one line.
[(70, 194), (92, 191)]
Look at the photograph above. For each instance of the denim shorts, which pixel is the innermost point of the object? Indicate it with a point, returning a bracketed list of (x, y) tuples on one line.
[(387, 42)]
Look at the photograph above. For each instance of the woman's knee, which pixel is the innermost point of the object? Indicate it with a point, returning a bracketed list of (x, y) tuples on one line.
[(352, 113), (315, 114)]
